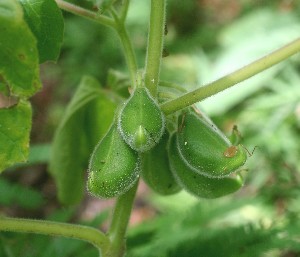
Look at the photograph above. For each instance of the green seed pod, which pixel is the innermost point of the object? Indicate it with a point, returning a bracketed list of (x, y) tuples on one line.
[(205, 148), (197, 184), (141, 122), (156, 170), (113, 167)]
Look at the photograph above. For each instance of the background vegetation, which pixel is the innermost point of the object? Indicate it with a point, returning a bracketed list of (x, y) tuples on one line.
[(205, 40)]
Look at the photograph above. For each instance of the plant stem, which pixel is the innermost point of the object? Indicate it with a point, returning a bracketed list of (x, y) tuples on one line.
[(85, 13), (124, 10), (127, 46), (129, 53), (88, 234), (120, 221), (116, 23), (155, 45), (172, 85), (231, 79)]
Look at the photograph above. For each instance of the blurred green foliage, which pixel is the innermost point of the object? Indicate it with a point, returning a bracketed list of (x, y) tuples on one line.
[(16, 194), (205, 40), (243, 227)]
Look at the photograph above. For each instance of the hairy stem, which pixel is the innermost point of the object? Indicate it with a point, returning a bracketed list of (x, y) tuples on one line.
[(231, 79), (116, 23), (155, 45), (127, 46), (88, 234), (124, 10), (120, 221), (129, 53), (85, 13)]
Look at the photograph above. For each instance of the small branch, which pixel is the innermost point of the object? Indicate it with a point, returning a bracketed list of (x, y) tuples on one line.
[(231, 79), (85, 13), (120, 221), (116, 23), (50, 228), (127, 46), (124, 10), (155, 45), (172, 85)]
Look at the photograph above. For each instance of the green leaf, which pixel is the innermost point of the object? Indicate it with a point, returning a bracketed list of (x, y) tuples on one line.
[(46, 23), (86, 119), (38, 154), (19, 61), (14, 134), (16, 194)]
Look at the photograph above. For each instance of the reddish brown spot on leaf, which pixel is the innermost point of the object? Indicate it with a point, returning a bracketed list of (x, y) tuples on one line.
[(22, 57), (230, 151)]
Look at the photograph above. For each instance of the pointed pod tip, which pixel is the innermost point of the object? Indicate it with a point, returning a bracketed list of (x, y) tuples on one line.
[(140, 137), (141, 122)]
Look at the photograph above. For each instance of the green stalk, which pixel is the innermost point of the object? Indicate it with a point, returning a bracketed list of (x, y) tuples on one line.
[(231, 79), (124, 10), (127, 46), (155, 45), (117, 23), (129, 53), (50, 228), (94, 16), (119, 223)]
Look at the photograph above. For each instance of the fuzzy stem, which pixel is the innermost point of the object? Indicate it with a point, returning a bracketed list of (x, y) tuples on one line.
[(120, 221), (124, 10), (155, 45), (72, 8), (129, 53), (116, 23), (231, 79), (127, 46), (50, 228)]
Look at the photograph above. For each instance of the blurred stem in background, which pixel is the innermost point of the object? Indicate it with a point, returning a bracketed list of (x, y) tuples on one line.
[(232, 79)]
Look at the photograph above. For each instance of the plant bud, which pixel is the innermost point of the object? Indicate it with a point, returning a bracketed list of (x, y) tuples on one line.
[(156, 170), (197, 184), (205, 148), (141, 122), (113, 167)]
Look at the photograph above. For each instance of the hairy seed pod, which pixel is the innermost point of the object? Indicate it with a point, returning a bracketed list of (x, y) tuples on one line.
[(113, 167), (197, 184), (156, 170), (205, 148), (141, 122)]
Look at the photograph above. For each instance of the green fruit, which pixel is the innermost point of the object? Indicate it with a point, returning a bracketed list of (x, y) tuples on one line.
[(197, 184), (141, 122), (156, 170), (205, 148), (113, 167)]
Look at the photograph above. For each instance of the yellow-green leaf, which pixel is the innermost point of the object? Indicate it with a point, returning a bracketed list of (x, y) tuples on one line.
[(46, 22), (19, 62), (15, 124)]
